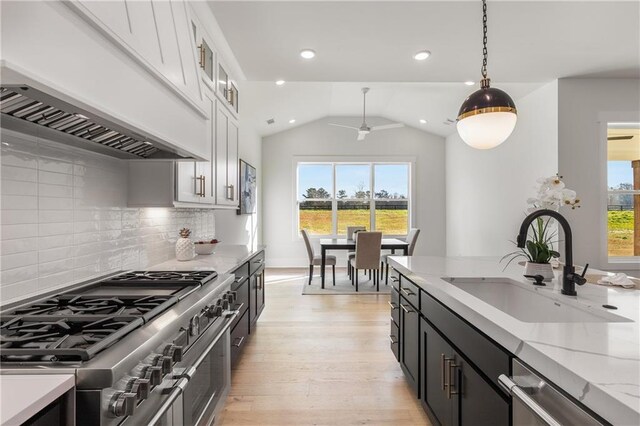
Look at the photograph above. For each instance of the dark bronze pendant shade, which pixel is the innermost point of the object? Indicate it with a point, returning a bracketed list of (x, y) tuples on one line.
[(485, 100)]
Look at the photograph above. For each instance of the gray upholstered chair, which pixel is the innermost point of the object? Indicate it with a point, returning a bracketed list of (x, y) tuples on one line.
[(367, 256), (317, 259), (412, 238), (351, 231)]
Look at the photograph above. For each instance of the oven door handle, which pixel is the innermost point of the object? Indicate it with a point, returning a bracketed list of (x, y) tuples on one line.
[(516, 392), (189, 372), (175, 392)]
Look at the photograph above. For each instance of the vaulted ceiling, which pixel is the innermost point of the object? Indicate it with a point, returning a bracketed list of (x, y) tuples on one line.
[(372, 43)]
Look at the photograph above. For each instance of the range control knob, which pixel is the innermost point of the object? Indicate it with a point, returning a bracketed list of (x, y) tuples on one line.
[(231, 297), (225, 305), (217, 311), (194, 326), (173, 351), (164, 362), (219, 302), (140, 387), (153, 374), (234, 295), (123, 404)]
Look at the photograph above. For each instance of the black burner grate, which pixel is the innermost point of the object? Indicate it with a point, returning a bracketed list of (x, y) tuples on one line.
[(166, 277), (46, 338)]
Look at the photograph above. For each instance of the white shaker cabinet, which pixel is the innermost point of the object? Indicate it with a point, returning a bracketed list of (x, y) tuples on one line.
[(226, 158)]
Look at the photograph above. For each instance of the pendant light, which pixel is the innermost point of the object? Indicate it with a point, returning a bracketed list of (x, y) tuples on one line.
[(488, 116)]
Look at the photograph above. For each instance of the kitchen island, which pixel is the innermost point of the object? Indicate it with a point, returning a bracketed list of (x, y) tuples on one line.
[(596, 362)]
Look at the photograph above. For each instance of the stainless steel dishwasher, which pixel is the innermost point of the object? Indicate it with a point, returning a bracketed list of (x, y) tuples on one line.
[(536, 402)]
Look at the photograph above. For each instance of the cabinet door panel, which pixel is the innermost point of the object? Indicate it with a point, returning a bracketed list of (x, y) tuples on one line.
[(479, 403), (222, 190), (232, 161), (145, 33), (410, 343), (187, 188), (434, 376), (112, 14)]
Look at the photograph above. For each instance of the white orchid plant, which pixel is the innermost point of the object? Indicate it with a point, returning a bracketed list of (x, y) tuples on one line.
[(551, 194)]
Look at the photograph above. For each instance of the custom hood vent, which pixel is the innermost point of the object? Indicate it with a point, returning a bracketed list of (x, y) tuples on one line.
[(31, 111)]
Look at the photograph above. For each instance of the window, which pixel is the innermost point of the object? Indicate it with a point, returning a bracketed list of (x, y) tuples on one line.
[(332, 196), (623, 183)]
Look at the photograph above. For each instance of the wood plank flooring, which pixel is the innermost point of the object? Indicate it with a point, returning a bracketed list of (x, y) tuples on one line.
[(319, 360)]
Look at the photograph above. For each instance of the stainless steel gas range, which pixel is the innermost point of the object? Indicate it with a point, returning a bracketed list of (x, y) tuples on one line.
[(147, 348)]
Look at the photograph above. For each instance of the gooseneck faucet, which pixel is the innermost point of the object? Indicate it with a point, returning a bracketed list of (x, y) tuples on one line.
[(569, 276)]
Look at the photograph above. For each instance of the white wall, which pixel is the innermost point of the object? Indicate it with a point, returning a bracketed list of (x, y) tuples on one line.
[(64, 218), (487, 190), (583, 103), (244, 229), (318, 139)]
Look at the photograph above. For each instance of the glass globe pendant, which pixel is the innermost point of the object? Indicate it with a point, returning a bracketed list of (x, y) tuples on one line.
[(488, 116)]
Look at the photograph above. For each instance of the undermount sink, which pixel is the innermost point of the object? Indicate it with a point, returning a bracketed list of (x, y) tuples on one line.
[(527, 304)]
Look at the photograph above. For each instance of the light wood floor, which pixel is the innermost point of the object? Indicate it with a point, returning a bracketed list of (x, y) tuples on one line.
[(319, 360)]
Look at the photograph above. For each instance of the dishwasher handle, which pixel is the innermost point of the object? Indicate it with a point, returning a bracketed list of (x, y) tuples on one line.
[(517, 393)]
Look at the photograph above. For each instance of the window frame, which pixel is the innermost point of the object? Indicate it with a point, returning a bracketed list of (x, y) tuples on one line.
[(346, 161), (619, 263)]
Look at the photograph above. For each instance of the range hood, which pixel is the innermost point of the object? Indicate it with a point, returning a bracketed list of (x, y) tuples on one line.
[(29, 110)]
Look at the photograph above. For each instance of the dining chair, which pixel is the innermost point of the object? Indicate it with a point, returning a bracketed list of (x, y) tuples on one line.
[(368, 245), (412, 238), (351, 230), (317, 259)]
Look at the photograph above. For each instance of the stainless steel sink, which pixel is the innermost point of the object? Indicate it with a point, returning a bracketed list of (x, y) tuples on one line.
[(526, 304)]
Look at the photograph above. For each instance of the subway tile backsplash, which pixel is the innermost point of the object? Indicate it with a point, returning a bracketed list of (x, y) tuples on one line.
[(64, 218)]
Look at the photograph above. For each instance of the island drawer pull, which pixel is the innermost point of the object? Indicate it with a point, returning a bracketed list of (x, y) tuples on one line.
[(391, 338), (407, 292), (451, 390), (393, 306), (407, 310)]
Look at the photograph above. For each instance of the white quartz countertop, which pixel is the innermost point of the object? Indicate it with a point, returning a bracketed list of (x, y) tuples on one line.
[(224, 259), (23, 396), (598, 363)]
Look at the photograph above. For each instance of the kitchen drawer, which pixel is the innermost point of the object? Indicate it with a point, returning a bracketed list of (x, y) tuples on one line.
[(394, 277), (256, 262), (395, 306), (487, 356), (394, 339), (241, 273), (239, 337), (242, 302), (410, 291)]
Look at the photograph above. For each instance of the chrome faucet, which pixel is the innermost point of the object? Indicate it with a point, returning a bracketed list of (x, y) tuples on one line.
[(569, 276)]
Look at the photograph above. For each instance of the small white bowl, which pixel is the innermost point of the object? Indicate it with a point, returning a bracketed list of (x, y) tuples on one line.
[(205, 248)]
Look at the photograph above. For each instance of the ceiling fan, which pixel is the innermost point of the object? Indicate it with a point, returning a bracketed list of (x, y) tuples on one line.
[(364, 130), (620, 138)]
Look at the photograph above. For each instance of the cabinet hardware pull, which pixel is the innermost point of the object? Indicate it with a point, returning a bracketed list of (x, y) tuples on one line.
[(407, 292), (407, 310), (391, 338), (394, 279), (240, 340), (240, 279), (444, 383), (233, 195), (200, 192), (202, 55), (204, 186), (393, 306), (520, 395), (451, 390)]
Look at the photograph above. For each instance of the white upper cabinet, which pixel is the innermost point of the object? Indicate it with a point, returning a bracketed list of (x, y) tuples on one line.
[(226, 158)]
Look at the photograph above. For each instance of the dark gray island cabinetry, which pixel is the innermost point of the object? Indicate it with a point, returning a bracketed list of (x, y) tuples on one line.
[(452, 367)]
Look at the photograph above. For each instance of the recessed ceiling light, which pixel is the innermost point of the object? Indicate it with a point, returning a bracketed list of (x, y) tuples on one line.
[(423, 121), (307, 53), (280, 82), (293, 120), (422, 55), (469, 83)]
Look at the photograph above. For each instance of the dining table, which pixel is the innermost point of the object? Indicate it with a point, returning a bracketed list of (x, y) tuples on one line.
[(392, 244)]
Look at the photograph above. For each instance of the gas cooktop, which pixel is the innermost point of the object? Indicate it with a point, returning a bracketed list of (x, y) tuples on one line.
[(77, 324)]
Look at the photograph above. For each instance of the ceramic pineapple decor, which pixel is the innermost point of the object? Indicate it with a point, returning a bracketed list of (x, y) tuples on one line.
[(185, 249)]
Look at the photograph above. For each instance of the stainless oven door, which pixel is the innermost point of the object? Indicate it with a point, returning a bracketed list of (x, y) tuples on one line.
[(536, 402)]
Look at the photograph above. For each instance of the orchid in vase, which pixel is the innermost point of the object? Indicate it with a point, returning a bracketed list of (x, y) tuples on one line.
[(538, 252)]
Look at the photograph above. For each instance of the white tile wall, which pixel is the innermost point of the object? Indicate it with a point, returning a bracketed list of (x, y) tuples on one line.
[(63, 218)]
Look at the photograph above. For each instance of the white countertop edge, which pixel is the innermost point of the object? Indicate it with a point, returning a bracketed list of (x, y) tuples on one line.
[(49, 387), (614, 405)]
